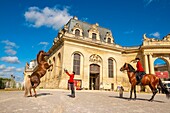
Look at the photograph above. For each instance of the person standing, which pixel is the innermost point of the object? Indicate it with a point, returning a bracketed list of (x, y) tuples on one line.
[(121, 89), (71, 82)]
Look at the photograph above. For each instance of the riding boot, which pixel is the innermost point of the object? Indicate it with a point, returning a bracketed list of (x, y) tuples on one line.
[(138, 79)]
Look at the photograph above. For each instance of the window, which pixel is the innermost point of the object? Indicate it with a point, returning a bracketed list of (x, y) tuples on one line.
[(110, 68), (77, 32), (109, 40), (49, 61), (93, 36), (76, 64)]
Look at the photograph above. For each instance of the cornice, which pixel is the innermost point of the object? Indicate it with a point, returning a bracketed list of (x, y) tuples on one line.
[(155, 47), (97, 43), (94, 43)]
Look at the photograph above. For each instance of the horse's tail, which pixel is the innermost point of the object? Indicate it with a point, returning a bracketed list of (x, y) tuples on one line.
[(164, 89)]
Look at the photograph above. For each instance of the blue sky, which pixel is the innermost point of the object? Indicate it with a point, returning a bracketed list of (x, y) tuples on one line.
[(27, 26)]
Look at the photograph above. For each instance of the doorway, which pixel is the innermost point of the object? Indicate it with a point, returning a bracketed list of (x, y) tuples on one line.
[(94, 79)]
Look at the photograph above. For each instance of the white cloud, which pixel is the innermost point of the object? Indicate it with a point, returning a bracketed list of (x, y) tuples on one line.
[(49, 17), (9, 43), (20, 69), (156, 34), (10, 59), (9, 47), (45, 44), (6, 74), (148, 2), (9, 69), (84, 19), (2, 67), (10, 52), (129, 32)]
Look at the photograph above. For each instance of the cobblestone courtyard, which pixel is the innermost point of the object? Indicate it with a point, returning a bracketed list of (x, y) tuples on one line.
[(58, 101)]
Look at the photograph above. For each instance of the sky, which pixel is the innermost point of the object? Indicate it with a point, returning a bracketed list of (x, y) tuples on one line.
[(28, 26)]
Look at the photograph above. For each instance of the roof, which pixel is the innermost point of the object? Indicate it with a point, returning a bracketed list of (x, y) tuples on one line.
[(85, 27)]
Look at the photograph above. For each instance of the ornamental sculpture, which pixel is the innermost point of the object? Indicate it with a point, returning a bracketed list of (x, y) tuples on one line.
[(95, 58)]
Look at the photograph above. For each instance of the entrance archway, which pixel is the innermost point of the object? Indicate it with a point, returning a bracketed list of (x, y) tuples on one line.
[(161, 68), (94, 79)]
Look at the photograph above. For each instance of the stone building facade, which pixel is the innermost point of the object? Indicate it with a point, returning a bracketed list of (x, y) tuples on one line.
[(91, 52)]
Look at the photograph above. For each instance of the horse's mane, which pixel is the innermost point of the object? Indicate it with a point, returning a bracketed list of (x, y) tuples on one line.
[(131, 68), (39, 59)]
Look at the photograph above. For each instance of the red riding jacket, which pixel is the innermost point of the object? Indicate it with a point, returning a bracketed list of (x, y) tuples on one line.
[(139, 67), (71, 80)]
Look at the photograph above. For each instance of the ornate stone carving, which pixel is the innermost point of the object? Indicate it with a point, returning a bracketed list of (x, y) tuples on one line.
[(149, 39), (77, 26), (145, 38), (65, 28), (95, 58), (60, 33), (94, 28), (166, 38), (109, 35)]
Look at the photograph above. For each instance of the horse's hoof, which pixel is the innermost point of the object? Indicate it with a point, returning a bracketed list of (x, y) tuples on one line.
[(129, 99), (150, 100)]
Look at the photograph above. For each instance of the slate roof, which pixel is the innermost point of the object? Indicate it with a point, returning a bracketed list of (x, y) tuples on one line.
[(85, 27)]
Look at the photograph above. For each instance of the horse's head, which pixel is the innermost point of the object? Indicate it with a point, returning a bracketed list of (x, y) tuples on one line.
[(124, 67), (127, 67), (41, 56), (43, 53)]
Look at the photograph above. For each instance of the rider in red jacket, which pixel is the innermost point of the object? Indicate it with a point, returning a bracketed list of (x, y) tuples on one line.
[(140, 71), (139, 66)]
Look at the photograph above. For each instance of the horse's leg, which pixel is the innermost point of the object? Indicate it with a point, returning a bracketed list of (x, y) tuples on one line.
[(131, 92), (135, 92), (35, 94), (47, 66), (154, 91), (26, 92), (30, 92)]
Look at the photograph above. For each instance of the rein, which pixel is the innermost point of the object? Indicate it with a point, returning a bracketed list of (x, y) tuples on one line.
[(130, 68)]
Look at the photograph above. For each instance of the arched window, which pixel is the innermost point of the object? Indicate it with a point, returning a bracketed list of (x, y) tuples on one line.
[(49, 61), (109, 40), (77, 32), (93, 36), (110, 68), (76, 64), (54, 59)]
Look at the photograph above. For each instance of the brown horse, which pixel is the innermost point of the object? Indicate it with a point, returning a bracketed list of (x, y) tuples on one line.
[(148, 79), (34, 80)]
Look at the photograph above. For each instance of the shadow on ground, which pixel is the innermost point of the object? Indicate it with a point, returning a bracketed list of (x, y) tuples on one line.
[(43, 94), (125, 98)]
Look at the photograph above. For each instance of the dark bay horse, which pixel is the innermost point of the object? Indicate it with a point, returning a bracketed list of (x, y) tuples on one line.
[(148, 79), (34, 80)]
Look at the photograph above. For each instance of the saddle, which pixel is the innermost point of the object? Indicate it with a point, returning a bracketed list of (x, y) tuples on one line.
[(139, 76)]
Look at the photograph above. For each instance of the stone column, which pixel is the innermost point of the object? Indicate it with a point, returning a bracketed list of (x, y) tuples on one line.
[(151, 64), (146, 63)]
